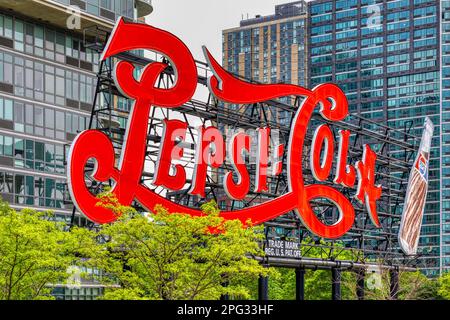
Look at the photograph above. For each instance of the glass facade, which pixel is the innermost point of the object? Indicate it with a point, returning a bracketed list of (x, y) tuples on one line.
[(385, 55), (47, 87), (445, 139), (270, 53), (47, 83), (85, 293)]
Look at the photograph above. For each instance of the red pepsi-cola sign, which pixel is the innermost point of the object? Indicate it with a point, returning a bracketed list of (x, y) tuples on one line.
[(328, 98)]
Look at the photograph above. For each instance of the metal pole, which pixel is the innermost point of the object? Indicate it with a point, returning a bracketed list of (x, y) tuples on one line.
[(263, 288), (315, 263), (336, 284), (300, 283), (360, 284), (394, 284)]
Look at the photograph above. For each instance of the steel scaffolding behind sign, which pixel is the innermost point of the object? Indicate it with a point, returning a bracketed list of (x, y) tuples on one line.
[(332, 175)]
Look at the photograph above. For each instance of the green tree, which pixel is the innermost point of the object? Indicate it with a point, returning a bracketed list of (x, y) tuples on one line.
[(282, 285), (175, 256), (444, 286), (412, 286), (35, 252)]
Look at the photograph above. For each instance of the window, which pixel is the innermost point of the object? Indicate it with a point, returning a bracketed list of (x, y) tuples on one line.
[(39, 156), (346, 66), (29, 38), (19, 117), (398, 16), (321, 29), (60, 47), (322, 38), (39, 81), (49, 84), (346, 25), (6, 68), (370, 63), (49, 44), (345, 4), (371, 42), (19, 35), (19, 75), (49, 123), (19, 188), (322, 18), (39, 116), (398, 4), (8, 146), (49, 192), (107, 4), (6, 109), (19, 153), (427, 11), (8, 27), (29, 79), (29, 190), (425, 20), (69, 43), (59, 159), (29, 154), (321, 50), (398, 37), (321, 8), (60, 86), (49, 157), (39, 41), (60, 125)]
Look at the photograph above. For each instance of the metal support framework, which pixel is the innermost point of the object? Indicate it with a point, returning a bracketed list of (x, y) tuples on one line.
[(336, 284), (365, 243), (300, 283), (394, 283), (360, 284), (263, 288)]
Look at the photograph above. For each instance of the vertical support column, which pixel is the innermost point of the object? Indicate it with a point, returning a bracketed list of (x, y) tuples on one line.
[(336, 284), (394, 283), (300, 283), (360, 283), (263, 288)]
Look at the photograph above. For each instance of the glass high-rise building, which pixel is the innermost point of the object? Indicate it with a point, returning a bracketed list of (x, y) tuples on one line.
[(391, 59), (269, 49), (445, 139), (385, 54), (47, 87)]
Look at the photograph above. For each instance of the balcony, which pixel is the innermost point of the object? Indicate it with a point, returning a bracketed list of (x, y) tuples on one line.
[(143, 8), (53, 13)]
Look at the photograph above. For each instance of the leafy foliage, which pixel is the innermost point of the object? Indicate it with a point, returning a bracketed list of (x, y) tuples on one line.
[(175, 256), (444, 286), (170, 256), (35, 253)]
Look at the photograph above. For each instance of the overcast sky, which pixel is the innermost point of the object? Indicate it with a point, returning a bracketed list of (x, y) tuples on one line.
[(200, 22)]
